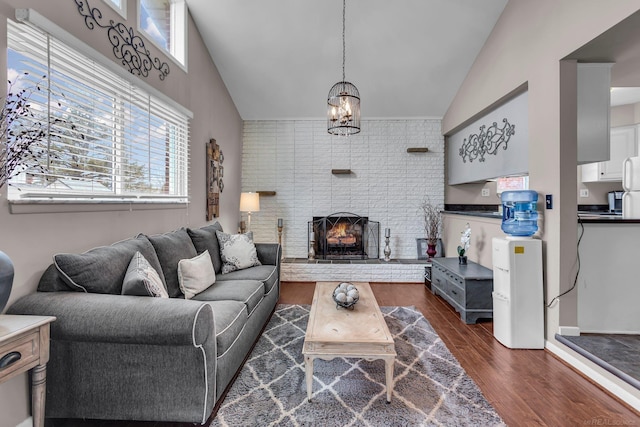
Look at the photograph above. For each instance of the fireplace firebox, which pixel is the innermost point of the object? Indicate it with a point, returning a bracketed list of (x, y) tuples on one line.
[(344, 235)]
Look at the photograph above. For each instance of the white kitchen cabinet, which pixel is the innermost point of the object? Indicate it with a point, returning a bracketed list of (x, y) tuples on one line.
[(623, 144), (594, 103)]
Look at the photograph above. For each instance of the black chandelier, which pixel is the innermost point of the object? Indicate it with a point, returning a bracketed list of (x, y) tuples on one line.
[(343, 102)]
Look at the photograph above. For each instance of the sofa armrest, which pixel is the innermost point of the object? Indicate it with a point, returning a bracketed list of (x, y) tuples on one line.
[(121, 318), (269, 253)]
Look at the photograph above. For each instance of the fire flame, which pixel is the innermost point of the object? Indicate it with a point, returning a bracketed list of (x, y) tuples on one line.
[(338, 230)]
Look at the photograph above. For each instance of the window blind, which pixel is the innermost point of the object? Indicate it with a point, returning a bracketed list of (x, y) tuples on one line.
[(105, 137)]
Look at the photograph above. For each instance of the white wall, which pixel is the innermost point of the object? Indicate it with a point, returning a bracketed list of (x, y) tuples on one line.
[(387, 184), (30, 240), (483, 230)]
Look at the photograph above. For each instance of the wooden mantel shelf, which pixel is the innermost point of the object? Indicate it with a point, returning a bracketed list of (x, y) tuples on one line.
[(341, 171)]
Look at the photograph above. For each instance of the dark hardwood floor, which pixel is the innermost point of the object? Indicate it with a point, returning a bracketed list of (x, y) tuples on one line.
[(526, 387)]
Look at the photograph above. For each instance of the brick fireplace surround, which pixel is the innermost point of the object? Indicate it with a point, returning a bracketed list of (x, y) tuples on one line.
[(295, 159)]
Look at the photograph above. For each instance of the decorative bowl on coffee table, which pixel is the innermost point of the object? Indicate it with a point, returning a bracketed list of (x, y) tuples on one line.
[(345, 295)]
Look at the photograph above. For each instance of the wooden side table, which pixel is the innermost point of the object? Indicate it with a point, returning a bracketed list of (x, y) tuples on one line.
[(24, 345)]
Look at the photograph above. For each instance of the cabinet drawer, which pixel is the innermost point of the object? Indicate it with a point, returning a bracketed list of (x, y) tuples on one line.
[(28, 347), (446, 286), (456, 293)]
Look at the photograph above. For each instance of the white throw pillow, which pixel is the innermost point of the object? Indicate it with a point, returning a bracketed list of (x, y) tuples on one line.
[(196, 274), (237, 251)]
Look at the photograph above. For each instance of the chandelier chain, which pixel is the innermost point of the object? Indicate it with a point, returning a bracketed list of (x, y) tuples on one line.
[(344, 8)]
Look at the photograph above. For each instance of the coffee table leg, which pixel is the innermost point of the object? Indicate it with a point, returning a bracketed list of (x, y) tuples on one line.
[(308, 366), (388, 368)]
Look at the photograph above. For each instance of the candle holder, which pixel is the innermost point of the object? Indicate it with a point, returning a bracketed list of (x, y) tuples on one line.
[(312, 252), (387, 249), (280, 227)]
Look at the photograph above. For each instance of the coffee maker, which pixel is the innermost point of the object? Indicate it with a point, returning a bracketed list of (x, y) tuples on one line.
[(615, 202)]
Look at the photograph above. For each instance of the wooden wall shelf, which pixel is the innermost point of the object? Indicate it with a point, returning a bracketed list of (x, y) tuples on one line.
[(417, 150), (266, 193), (341, 171)]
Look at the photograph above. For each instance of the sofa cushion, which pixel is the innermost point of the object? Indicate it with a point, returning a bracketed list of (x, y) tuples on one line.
[(142, 279), (102, 269), (268, 274), (249, 292), (229, 318), (204, 238), (171, 248), (195, 274), (237, 251), (51, 281)]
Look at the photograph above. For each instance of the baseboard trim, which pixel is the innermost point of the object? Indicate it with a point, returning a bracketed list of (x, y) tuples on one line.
[(594, 374), (26, 423), (569, 331)]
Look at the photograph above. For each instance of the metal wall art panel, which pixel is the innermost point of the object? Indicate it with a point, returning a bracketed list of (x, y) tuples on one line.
[(495, 145)]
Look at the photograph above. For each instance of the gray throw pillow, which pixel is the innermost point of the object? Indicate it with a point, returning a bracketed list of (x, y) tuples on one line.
[(205, 239), (142, 279), (237, 251), (171, 248), (102, 269)]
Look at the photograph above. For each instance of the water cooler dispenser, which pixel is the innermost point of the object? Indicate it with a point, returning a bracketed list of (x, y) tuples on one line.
[(519, 214), (518, 304)]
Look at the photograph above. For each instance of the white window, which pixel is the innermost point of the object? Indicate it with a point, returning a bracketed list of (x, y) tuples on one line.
[(164, 22), (119, 6), (105, 138), (512, 183)]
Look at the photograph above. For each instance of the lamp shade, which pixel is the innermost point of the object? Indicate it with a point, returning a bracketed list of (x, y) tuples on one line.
[(249, 202)]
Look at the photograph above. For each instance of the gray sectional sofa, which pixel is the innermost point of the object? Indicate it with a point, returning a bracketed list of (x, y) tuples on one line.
[(129, 357)]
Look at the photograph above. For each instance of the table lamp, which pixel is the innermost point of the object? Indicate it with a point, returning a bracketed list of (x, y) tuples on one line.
[(249, 202)]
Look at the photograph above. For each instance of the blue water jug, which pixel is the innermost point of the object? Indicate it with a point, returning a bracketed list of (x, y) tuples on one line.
[(519, 214)]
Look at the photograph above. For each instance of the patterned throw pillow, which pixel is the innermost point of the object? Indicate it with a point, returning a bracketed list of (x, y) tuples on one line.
[(142, 279), (196, 274), (237, 251)]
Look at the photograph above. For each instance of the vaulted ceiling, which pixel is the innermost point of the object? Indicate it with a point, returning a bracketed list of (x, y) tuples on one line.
[(279, 58)]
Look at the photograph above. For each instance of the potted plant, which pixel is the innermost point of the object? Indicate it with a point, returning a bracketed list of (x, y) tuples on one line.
[(432, 225), (465, 240)]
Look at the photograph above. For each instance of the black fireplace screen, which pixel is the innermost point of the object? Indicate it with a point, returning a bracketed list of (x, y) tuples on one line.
[(344, 235)]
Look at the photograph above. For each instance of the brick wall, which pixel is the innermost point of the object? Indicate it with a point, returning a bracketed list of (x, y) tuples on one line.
[(387, 184)]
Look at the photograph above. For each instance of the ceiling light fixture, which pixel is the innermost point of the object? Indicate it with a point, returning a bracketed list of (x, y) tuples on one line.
[(343, 102)]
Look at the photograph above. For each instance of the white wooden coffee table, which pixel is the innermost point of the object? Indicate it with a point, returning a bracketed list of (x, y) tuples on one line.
[(360, 332)]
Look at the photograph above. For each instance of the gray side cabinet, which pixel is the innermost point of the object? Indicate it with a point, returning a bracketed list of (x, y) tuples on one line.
[(467, 288)]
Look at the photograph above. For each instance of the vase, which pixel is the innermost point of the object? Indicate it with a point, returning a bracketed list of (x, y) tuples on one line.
[(6, 279), (431, 250), (462, 260)]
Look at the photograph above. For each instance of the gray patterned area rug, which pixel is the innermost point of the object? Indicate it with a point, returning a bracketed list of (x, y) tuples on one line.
[(431, 388)]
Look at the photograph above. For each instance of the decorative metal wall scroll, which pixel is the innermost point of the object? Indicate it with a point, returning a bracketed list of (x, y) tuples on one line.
[(128, 47), (486, 142), (215, 172)]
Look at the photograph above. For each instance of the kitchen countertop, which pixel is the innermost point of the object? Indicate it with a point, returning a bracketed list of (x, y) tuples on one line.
[(586, 217), (604, 218), (483, 214)]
